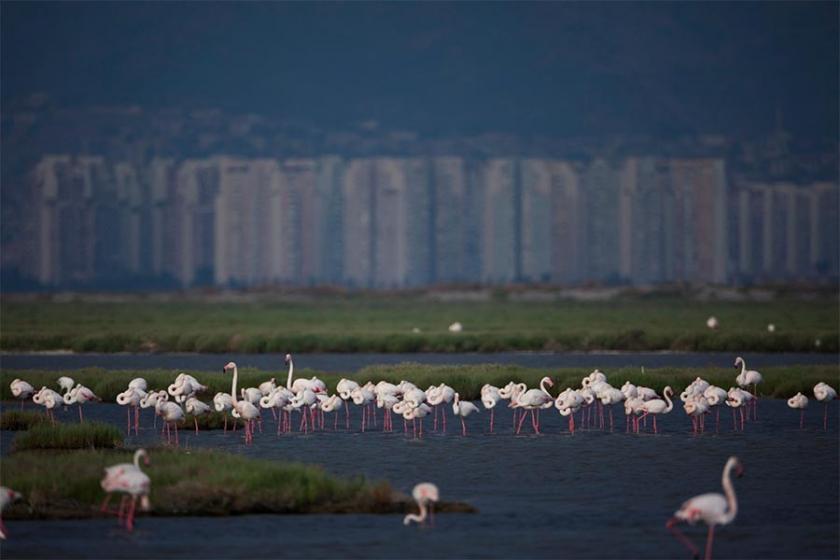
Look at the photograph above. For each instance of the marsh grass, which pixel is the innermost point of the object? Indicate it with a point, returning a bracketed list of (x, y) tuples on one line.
[(780, 381), (21, 420), (201, 482), (383, 324), (69, 436)]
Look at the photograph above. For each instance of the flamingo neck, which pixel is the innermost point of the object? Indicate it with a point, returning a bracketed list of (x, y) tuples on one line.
[(542, 386), (414, 517), (233, 385), (729, 490), (670, 406), (291, 371), (137, 455), (743, 366)]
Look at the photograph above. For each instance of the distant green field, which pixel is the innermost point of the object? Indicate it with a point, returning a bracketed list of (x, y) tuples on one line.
[(415, 324)]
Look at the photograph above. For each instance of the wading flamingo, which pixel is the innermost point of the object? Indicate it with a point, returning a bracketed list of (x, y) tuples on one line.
[(222, 402), (196, 408), (799, 401), (656, 407), (80, 395), (131, 399), (533, 400), (490, 397), (21, 390), (345, 387), (171, 413), (747, 378), (7, 496), (463, 409), (824, 393), (425, 494), (712, 509), (245, 409), (129, 479)]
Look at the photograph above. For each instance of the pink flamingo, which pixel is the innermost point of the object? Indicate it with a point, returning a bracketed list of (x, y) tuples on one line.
[(21, 390), (656, 407), (425, 494), (129, 479), (712, 509), (799, 401), (245, 409), (7, 496), (824, 393), (463, 409)]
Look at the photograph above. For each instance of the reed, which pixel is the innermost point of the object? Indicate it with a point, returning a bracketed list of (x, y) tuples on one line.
[(14, 420), (69, 436)]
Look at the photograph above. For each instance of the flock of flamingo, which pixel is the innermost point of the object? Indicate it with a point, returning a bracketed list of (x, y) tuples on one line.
[(592, 403)]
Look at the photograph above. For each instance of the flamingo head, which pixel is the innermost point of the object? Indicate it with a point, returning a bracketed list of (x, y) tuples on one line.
[(739, 469), (288, 358), (738, 361), (230, 365), (548, 381)]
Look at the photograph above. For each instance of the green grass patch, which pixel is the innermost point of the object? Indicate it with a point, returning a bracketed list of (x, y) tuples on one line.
[(779, 381), (386, 324), (201, 482), (86, 435), (21, 419)]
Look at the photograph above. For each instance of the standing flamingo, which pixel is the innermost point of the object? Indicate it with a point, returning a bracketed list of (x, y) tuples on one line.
[(747, 378), (532, 400), (196, 408), (425, 494), (245, 409), (21, 390), (656, 407), (7, 496), (79, 396), (712, 509), (132, 481), (824, 393), (799, 401), (463, 409), (223, 402), (490, 397), (131, 398), (171, 413)]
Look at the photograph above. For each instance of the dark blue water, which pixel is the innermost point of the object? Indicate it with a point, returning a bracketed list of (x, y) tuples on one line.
[(354, 362), (597, 494)]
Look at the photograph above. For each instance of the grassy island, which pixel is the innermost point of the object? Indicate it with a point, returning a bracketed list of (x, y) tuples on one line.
[(198, 482)]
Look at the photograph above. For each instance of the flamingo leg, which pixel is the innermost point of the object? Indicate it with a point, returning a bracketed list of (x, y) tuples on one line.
[(81, 416), (492, 418), (463, 427), (443, 414), (671, 525), (522, 418), (195, 419), (801, 418), (655, 429), (177, 443), (122, 508), (346, 416), (128, 420), (129, 523), (105, 502), (136, 420), (709, 541)]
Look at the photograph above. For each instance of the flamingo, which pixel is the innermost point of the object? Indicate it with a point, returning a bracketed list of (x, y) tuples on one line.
[(345, 387), (799, 401), (747, 378), (712, 323), (80, 395), (695, 408), (534, 399), (363, 396), (332, 404), (7, 496), (715, 396), (131, 398), (151, 399), (656, 407), (712, 509), (138, 383), (305, 400), (49, 399), (196, 408), (223, 402), (824, 393), (66, 383), (490, 397), (463, 409), (21, 390), (131, 480), (266, 387), (245, 409), (738, 399), (172, 414), (425, 494)]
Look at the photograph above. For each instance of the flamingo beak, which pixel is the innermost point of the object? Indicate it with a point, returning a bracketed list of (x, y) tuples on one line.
[(739, 472)]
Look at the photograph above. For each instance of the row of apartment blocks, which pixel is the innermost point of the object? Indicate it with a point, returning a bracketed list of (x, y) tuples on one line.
[(399, 222)]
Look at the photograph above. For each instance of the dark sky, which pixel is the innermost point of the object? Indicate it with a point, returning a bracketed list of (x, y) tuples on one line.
[(558, 68)]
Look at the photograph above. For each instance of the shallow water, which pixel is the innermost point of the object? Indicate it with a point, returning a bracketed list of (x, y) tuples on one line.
[(597, 494), (354, 362)]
